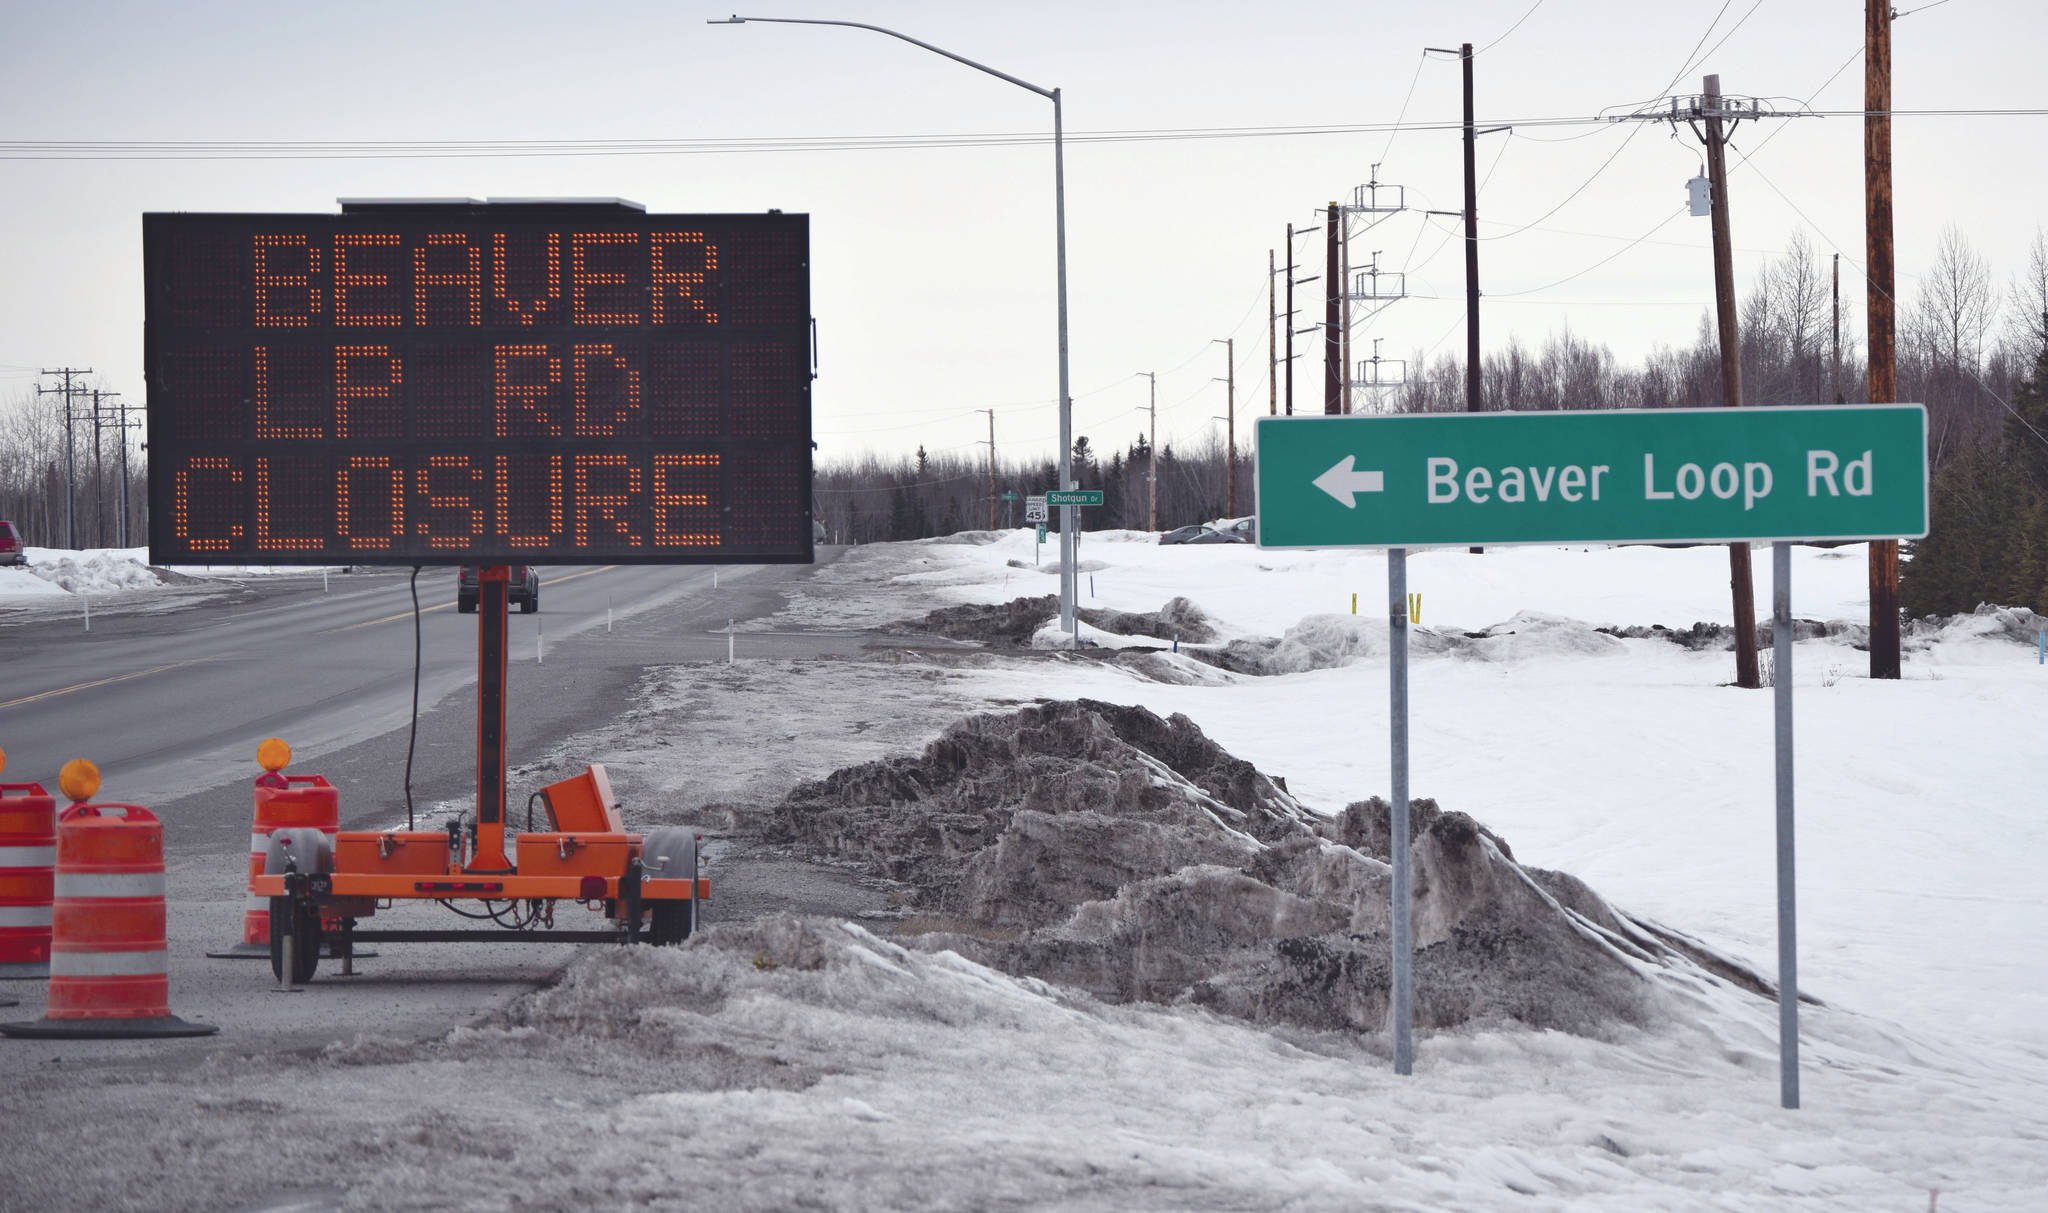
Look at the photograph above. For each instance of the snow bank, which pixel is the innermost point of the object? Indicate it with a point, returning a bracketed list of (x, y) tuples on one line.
[(1109, 850), (98, 572)]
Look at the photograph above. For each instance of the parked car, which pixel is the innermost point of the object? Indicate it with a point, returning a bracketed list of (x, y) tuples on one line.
[(524, 589), (1183, 534), (1239, 530), (11, 549)]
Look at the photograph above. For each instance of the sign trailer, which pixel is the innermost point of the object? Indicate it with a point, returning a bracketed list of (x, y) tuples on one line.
[(457, 382), (1720, 475)]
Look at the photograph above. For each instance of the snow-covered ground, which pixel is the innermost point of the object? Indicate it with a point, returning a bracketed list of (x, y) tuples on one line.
[(811, 1064), (95, 571)]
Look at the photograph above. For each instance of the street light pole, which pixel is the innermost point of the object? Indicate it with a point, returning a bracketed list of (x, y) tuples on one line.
[(1059, 187)]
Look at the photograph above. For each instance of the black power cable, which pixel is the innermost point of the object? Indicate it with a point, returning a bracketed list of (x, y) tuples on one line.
[(413, 732)]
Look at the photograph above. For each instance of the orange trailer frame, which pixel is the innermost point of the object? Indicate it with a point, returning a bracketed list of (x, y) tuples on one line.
[(587, 857)]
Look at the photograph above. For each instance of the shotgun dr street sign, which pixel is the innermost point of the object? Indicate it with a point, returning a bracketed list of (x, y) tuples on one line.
[(1073, 497), (1637, 476)]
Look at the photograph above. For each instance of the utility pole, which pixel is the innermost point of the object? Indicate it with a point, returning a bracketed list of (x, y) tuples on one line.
[(991, 466), (1229, 345), (1883, 334), (99, 481), (1344, 307), (1290, 320), (1471, 242), (1747, 674), (125, 426), (1333, 319), (70, 533), (1152, 457), (1470, 214), (1272, 351), (1712, 109)]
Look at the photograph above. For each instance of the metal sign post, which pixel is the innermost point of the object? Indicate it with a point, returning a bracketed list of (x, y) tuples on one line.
[(1788, 919), (1397, 820)]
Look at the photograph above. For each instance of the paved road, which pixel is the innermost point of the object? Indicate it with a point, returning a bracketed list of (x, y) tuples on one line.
[(170, 705)]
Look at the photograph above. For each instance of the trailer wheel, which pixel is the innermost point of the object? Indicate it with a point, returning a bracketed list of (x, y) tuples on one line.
[(671, 923), (308, 957)]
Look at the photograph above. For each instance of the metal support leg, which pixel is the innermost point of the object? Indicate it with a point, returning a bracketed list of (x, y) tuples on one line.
[(1397, 682), (1788, 919)]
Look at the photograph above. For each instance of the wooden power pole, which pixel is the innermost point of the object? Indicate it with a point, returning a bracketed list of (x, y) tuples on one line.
[(991, 466), (70, 471), (1272, 351), (1290, 320), (1152, 458), (1739, 579), (1471, 242), (1719, 115), (1229, 345), (1877, 242), (1333, 315)]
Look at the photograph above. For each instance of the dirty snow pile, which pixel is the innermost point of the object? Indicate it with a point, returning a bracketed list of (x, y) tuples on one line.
[(1106, 849)]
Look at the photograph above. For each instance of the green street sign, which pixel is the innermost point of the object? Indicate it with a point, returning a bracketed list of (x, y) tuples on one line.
[(1073, 497), (1635, 476), (1009, 495)]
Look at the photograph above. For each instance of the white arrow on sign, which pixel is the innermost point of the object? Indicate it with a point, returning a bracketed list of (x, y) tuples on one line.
[(1341, 482)]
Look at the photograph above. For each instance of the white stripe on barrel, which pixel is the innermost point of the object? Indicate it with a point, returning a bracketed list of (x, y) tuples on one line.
[(257, 842), (110, 964), (24, 916), (28, 857), (110, 884)]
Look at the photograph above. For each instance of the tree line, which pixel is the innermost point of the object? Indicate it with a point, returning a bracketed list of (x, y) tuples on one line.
[(1967, 348), (32, 472)]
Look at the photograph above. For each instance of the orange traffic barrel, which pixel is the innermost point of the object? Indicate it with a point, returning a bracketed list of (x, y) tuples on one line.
[(282, 802), (109, 961), (28, 859)]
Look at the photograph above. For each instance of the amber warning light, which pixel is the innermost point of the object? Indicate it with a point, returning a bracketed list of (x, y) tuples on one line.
[(482, 384)]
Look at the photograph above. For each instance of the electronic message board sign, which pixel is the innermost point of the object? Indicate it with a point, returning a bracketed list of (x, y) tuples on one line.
[(472, 383)]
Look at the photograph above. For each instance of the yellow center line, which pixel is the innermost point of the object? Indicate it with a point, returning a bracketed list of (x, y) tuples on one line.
[(370, 623), (603, 568), (86, 686)]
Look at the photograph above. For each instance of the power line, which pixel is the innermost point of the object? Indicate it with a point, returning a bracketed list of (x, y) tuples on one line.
[(1691, 57), (1664, 222), (525, 148), (1420, 59), (1511, 29)]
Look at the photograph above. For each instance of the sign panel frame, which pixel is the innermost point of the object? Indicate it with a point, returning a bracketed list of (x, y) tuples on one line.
[(1707, 475), (1073, 497), (435, 383)]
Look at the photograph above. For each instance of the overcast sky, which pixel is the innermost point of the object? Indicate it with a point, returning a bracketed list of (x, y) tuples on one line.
[(933, 268)]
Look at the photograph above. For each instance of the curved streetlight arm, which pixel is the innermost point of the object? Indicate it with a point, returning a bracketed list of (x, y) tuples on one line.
[(1068, 519), (736, 19)]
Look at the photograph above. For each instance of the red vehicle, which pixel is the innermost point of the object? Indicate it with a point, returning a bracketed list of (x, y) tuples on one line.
[(524, 589), (11, 549)]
